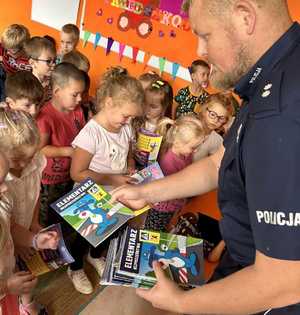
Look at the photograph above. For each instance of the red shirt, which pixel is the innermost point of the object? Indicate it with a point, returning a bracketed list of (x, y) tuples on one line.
[(11, 64), (61, 128)]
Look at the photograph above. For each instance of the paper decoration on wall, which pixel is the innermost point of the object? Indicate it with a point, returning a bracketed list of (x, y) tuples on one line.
[(162, 62), (146, 59), (110, 20), (175, 68), (135, 51), (172, 34), (97, 38), (137, 15), (86, 37), (161, 34), (99, 12), (110, 41), (121, 50)]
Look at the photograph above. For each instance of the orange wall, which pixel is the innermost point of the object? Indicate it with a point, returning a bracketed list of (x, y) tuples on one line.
[(16, 11)]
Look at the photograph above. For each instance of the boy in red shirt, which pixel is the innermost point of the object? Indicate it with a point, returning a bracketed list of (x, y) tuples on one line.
[(59, 122)]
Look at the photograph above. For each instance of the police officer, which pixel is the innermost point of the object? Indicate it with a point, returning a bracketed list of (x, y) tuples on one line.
[(252, 46)]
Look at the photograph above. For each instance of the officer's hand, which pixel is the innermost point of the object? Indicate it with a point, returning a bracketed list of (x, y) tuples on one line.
[(165, 295)]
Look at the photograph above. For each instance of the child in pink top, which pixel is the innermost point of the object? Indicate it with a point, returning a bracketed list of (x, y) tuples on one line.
[(180, 141)]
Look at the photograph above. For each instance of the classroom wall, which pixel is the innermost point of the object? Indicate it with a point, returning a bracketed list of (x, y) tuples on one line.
[(16, 11)]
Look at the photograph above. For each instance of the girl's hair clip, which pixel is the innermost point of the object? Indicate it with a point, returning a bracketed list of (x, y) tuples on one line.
[(158, 84), (190, 70)]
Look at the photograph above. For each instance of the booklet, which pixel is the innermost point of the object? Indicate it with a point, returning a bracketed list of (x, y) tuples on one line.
[(47, 260), (147, 147), (131, 255), (87, 208)]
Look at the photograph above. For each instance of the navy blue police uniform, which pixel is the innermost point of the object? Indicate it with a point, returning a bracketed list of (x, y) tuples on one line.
[(259, 179)]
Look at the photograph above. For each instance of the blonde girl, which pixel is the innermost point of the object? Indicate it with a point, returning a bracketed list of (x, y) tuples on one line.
[(103, 151), (216, 112), (158, 103), (19, 187), (181, 139)]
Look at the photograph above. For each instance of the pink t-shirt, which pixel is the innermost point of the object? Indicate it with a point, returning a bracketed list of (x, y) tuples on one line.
[(171, 163), (61, 128), (109, 149)]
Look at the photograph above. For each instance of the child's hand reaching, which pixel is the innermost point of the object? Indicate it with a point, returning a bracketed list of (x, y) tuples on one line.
[(120, 180), (21, 282), (47, 240)]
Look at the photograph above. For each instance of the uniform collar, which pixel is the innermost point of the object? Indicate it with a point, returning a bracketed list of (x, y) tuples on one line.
[(249, 83)]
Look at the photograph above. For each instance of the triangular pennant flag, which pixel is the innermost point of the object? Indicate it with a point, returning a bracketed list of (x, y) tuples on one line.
[(86, 37), (121, 50), (175, 68), (135, 51), (146, 59), (162, 62), (97, 38), (110, 41)]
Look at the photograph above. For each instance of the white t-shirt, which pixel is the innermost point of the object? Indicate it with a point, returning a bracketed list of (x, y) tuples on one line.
[(25, 190), (109, 149), (211, 144), (7, 258)]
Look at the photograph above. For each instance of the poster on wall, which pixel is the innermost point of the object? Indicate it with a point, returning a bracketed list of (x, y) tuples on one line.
[(54, 13), (141, 29)]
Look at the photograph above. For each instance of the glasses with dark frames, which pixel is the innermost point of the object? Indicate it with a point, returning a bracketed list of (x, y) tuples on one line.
[(213, 115), (49, 62)]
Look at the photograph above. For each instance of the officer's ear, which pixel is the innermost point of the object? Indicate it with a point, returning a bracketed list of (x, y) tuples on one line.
[(244, 16)]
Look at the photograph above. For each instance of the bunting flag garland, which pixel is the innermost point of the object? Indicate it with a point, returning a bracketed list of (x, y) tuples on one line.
[(110, 42), (175, 68), (97, 38), (86, 37), (121, 50), (146, 59), (162, 63), (135, 51)]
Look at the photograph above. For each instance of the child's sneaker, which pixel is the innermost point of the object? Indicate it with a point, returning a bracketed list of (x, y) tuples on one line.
[(97, 263), (80, 281)]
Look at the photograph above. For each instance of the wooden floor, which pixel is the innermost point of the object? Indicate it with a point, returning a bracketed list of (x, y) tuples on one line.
[(120, 301)]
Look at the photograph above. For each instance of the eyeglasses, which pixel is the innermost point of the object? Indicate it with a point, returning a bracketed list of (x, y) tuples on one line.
[(49, 62), (213, 115), (158, 84)]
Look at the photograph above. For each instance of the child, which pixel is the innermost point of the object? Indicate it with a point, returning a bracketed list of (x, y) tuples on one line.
[(102, 149), (180, 141), (12, 56), (77, 59), (42, 57), (69, 38), (59, 122), (158, 99), (19, 140), (82, 63), (148, 78), (216, 111), (189, 96), (23, 92), (11, 48)]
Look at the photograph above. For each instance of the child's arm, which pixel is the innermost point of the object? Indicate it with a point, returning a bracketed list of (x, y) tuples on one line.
[(80, 170), (35, 224), (52, 151), (130, 162), (19, 283)]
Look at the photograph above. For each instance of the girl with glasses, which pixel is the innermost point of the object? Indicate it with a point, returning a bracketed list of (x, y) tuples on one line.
[(215, 113)]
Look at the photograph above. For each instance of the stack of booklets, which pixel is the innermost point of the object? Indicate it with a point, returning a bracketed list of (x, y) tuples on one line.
[(130, 259), (87, 208), (47, 260)]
